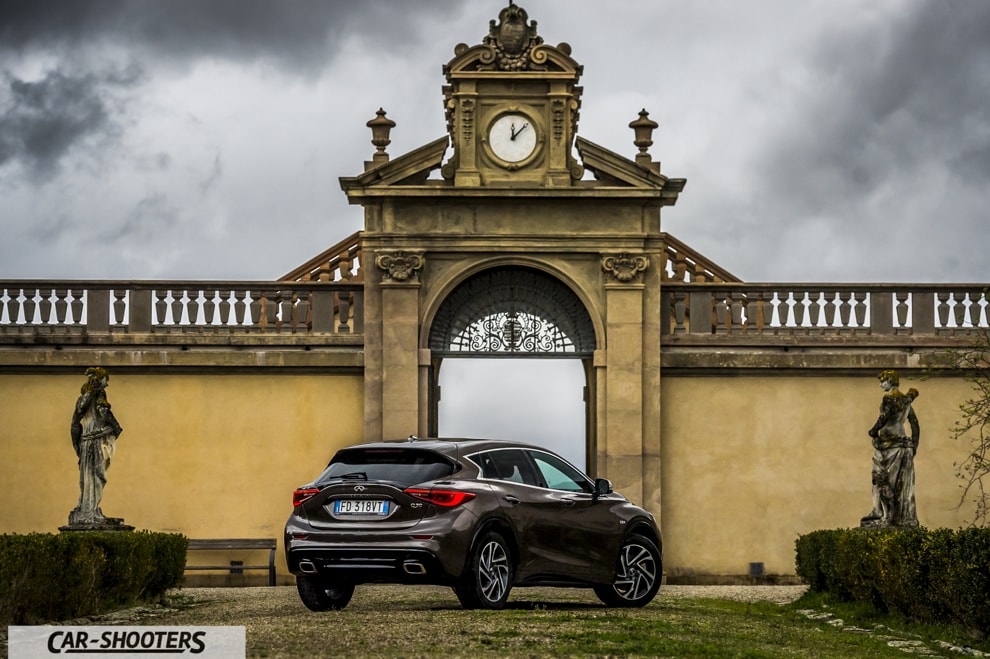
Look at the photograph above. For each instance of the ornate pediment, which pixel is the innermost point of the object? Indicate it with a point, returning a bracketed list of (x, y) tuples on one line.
[(513, 45), (613, 170), (412, 168)]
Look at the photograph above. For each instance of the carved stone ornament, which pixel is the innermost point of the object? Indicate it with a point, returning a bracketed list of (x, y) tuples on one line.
[(624, 268), (400, 265), (513, 39)]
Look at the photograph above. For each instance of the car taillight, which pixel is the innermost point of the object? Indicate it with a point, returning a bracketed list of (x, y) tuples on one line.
[(446, 498), (303, 494)]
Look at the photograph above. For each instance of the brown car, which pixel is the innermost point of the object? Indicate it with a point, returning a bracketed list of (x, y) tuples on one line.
[(478, 515)]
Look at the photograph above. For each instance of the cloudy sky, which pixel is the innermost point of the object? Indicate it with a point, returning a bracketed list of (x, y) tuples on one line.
[(831, 140), (837, 140)]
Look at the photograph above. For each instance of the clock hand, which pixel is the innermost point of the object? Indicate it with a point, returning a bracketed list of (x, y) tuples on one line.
[(515, 133)]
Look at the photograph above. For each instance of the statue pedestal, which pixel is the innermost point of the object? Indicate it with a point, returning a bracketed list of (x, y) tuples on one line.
[(106, 524)]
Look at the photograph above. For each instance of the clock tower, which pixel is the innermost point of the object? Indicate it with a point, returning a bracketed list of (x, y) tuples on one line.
[(529, 242), (512, 108)]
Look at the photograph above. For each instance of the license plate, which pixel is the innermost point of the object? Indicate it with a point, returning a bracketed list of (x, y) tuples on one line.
[(360, 507)]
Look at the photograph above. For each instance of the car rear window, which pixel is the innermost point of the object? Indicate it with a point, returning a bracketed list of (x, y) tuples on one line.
[(403, 466)]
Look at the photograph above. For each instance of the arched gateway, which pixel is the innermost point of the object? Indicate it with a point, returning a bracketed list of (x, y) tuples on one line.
[(531, 241)]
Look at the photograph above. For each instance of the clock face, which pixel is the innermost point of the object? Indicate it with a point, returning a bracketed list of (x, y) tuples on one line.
[(512, 137)]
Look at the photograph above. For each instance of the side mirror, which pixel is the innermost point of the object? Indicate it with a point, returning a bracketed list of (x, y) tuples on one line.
[(603, 486)]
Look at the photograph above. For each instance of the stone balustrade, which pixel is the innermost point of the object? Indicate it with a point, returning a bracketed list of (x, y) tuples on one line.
[(858, 311), (65, 309)]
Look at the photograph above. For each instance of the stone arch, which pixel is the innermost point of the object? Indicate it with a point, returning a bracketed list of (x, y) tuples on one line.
[(494, 288), (511, 308)]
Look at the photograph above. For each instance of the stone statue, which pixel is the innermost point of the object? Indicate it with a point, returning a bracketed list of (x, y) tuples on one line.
[(893, 458), (94, 436)]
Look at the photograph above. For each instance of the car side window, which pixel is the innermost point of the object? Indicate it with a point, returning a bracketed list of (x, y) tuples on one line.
[(513, 465), (487, 465), (559, 475)]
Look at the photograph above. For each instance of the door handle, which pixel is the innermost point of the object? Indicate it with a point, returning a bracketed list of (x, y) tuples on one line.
[(567, 502), (511, 499)]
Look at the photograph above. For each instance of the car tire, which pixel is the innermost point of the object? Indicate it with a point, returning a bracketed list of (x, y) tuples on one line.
[(637, 576), (487, 578), (322, 595)]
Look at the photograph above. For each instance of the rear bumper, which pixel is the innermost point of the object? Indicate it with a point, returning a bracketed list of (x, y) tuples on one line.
[(370, 565)]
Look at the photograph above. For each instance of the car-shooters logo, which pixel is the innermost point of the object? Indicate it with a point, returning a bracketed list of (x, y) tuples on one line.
[(123, 641)]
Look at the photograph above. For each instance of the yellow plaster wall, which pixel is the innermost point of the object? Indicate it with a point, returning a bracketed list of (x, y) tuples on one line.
[(209, 456), (751, 463)]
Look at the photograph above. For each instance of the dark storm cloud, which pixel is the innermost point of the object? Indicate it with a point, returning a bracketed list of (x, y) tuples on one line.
[(41, 121), (301, 34), (891, 98)]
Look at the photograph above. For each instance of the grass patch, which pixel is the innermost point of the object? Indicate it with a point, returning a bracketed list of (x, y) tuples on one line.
[(396, 621)]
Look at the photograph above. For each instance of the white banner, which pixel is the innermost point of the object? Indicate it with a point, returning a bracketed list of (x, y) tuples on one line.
[(125, 641)]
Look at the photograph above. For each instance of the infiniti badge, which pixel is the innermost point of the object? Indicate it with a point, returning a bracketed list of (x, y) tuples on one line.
[(359, 488)]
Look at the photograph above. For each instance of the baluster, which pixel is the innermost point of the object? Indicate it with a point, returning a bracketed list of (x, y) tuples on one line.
[(119, 306), (680, 312), (61, 306), (721, 312), (4, 308), (304, 311), (225, 306), (210, 307), (285, 300), (680, 268), (901, 307), (974, 308), (736, 317), (844, 304), (943, 309), (27, 306), (45, 305), (160, 307), (798, 309), (815, 310), (76, 306), (270, 309), (859, 309), (663, 268), (176, 305), (243, 309), (768, 308), (238, 302), (20, 307), (959, 309), (194, 306), (830, 303), (258, 320), (754, 319)]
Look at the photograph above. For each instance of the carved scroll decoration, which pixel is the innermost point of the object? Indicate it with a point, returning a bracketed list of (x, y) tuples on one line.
[(399, 265), (625, 268)]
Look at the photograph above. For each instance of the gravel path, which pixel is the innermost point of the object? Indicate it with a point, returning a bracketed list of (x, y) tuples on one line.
[(223, 604)]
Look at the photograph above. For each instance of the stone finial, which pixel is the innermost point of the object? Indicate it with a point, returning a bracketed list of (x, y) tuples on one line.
[(380, 127), (643, 128)]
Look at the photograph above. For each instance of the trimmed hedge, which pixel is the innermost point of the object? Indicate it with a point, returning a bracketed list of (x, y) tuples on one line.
[(936, 575), (45, 577)]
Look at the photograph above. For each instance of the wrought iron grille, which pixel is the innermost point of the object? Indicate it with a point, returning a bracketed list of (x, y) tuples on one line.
[(517, 311)]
